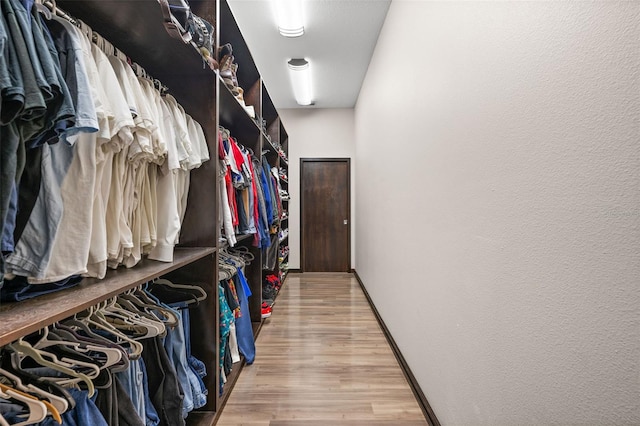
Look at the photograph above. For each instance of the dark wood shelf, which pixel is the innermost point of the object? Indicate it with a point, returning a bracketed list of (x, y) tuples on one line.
[(21, 318), (239, 238), (247, 72), (243, 237), (269, 112), (136, 28), (201, 418), (228, 387), (236, 119)]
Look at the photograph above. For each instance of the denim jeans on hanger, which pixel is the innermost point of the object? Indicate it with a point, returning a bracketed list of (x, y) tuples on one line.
[(132, 381), (194, 369), (164, 388), (198, 366), (151, 414), (175, 344), (84, 413)]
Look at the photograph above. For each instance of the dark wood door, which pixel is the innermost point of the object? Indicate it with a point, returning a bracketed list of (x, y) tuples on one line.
[(326, 215)]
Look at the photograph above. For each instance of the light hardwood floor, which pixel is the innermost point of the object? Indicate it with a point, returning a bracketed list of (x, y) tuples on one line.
[(322, 360)]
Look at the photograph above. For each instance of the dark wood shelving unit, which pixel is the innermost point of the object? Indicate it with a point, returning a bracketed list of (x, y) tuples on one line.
[(21, 318), (135, 27)]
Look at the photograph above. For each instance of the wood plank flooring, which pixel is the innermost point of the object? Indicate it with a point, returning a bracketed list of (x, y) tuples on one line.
[(321, 360)]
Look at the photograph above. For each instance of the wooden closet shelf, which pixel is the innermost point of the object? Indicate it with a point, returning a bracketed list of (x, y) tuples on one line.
[(239, 238), (201, 418), (21, 318), (136, 27)]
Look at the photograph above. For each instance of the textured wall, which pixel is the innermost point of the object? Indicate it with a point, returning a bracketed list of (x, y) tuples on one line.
[(498, 206), (317, 133)]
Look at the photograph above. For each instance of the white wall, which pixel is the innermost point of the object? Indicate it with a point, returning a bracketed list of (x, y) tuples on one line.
[(316, 133), (498, 200)]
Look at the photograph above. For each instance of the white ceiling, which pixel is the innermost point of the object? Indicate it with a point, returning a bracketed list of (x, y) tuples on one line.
[(339, 39)]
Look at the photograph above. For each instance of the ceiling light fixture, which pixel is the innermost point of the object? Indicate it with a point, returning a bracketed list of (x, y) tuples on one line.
[(300, 73), (290, 19)]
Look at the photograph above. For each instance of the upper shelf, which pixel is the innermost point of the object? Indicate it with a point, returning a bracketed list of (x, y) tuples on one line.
[(247, 72), (236, 119), (269, 112), (21, 318), (136, 28)]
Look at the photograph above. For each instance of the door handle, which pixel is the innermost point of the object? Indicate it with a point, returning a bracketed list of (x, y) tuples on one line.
[(345, 222)]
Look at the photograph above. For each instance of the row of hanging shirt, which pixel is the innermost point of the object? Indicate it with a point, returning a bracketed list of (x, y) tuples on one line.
[(125, 361), (236, 330), (250, 193), (97, 159)]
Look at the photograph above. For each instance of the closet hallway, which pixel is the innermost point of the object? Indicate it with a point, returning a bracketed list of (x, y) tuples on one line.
[(322, 359)]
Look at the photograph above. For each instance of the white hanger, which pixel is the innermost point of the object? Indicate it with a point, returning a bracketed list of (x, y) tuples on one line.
[(96, 343), (42, 8), (37, 409), (3, 422), (96, 319), (154, 328), (113, 355), (139, 298), (38, 356), (61, 404)]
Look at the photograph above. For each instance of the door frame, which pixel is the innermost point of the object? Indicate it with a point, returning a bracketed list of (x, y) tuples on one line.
[(324, 160)]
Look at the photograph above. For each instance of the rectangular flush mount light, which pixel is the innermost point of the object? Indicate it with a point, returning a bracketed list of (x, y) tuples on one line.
[(290, 19), (300, 74)]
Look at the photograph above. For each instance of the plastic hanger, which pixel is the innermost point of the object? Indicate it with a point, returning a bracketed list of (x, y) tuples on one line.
[(140, 298), (170, 294), (69, 357), (202, 295), (129, 305), (122, 319), (95, 319), (84, 327), (44, 10), (37, 409), (112, 356), (151, 321), (50, 409), (10, 365), (241, 251), (110, 350), (64, 353), (144, 292), (60, 403), (38, 356), (154, 327)]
